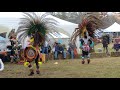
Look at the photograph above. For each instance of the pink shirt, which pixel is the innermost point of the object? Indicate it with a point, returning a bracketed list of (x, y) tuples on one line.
[(86, 47)]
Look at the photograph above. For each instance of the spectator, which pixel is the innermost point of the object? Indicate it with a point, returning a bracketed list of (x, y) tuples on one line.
[(45, 49), (105, 43), (64, 52), (56, 50), (60, 51), (71, 52)]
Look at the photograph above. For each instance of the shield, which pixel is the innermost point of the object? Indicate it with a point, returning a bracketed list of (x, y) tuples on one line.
[(30, 53)]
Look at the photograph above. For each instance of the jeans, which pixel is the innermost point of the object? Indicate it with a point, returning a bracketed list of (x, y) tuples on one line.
[(72, 54), (64, 54), (56, 54), (45, 50)]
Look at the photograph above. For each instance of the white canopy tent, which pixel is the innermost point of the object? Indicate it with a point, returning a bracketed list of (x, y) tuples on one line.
[(11, 20), (65, 26), (113, 28), (58, 35)]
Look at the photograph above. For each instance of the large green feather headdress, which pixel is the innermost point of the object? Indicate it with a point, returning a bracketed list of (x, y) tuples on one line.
[(36, 26)]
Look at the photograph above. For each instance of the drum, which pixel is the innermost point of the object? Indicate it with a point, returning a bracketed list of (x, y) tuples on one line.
[(30, 53)]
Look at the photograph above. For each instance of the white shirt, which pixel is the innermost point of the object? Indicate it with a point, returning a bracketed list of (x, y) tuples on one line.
[(86, 40), (46, 44)]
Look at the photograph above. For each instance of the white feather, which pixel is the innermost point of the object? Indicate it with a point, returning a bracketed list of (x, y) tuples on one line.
[(2, 65)]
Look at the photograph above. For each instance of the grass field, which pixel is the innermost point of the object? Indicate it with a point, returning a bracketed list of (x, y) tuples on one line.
[(100, 46), (108, 67)]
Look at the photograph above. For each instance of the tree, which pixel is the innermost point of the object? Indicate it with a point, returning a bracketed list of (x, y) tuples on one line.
[(76, 17), (73, 17)]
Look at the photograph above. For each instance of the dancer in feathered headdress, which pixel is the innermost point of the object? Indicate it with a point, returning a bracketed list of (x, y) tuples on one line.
[(36, 27), (86, 32)]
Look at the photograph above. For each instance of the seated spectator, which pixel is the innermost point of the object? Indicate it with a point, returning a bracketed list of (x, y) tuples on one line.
[(64, 52), (116, 46), (71, 52)]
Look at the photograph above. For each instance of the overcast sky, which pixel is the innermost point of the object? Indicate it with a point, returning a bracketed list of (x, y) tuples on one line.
[(11, 19), (11, 14), (18, 14), (14, 14)]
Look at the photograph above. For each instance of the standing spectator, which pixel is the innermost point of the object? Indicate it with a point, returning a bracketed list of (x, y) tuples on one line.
[(45, 49), (105, 43), (60, 51), (114, 34), (56, 50)]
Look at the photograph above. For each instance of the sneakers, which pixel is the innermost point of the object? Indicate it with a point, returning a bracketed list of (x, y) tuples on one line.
[(88, 61), (37, 71), (83, 62), (31, 73)]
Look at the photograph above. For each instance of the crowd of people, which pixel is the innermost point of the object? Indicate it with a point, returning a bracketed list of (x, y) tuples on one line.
[(59, 50)]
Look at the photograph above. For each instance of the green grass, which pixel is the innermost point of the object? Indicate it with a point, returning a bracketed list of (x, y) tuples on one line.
[(107, 67), (98, 68), (101, 46)]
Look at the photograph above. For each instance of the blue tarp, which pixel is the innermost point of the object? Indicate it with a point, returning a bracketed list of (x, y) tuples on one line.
[(2, 38), (3, 43)]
